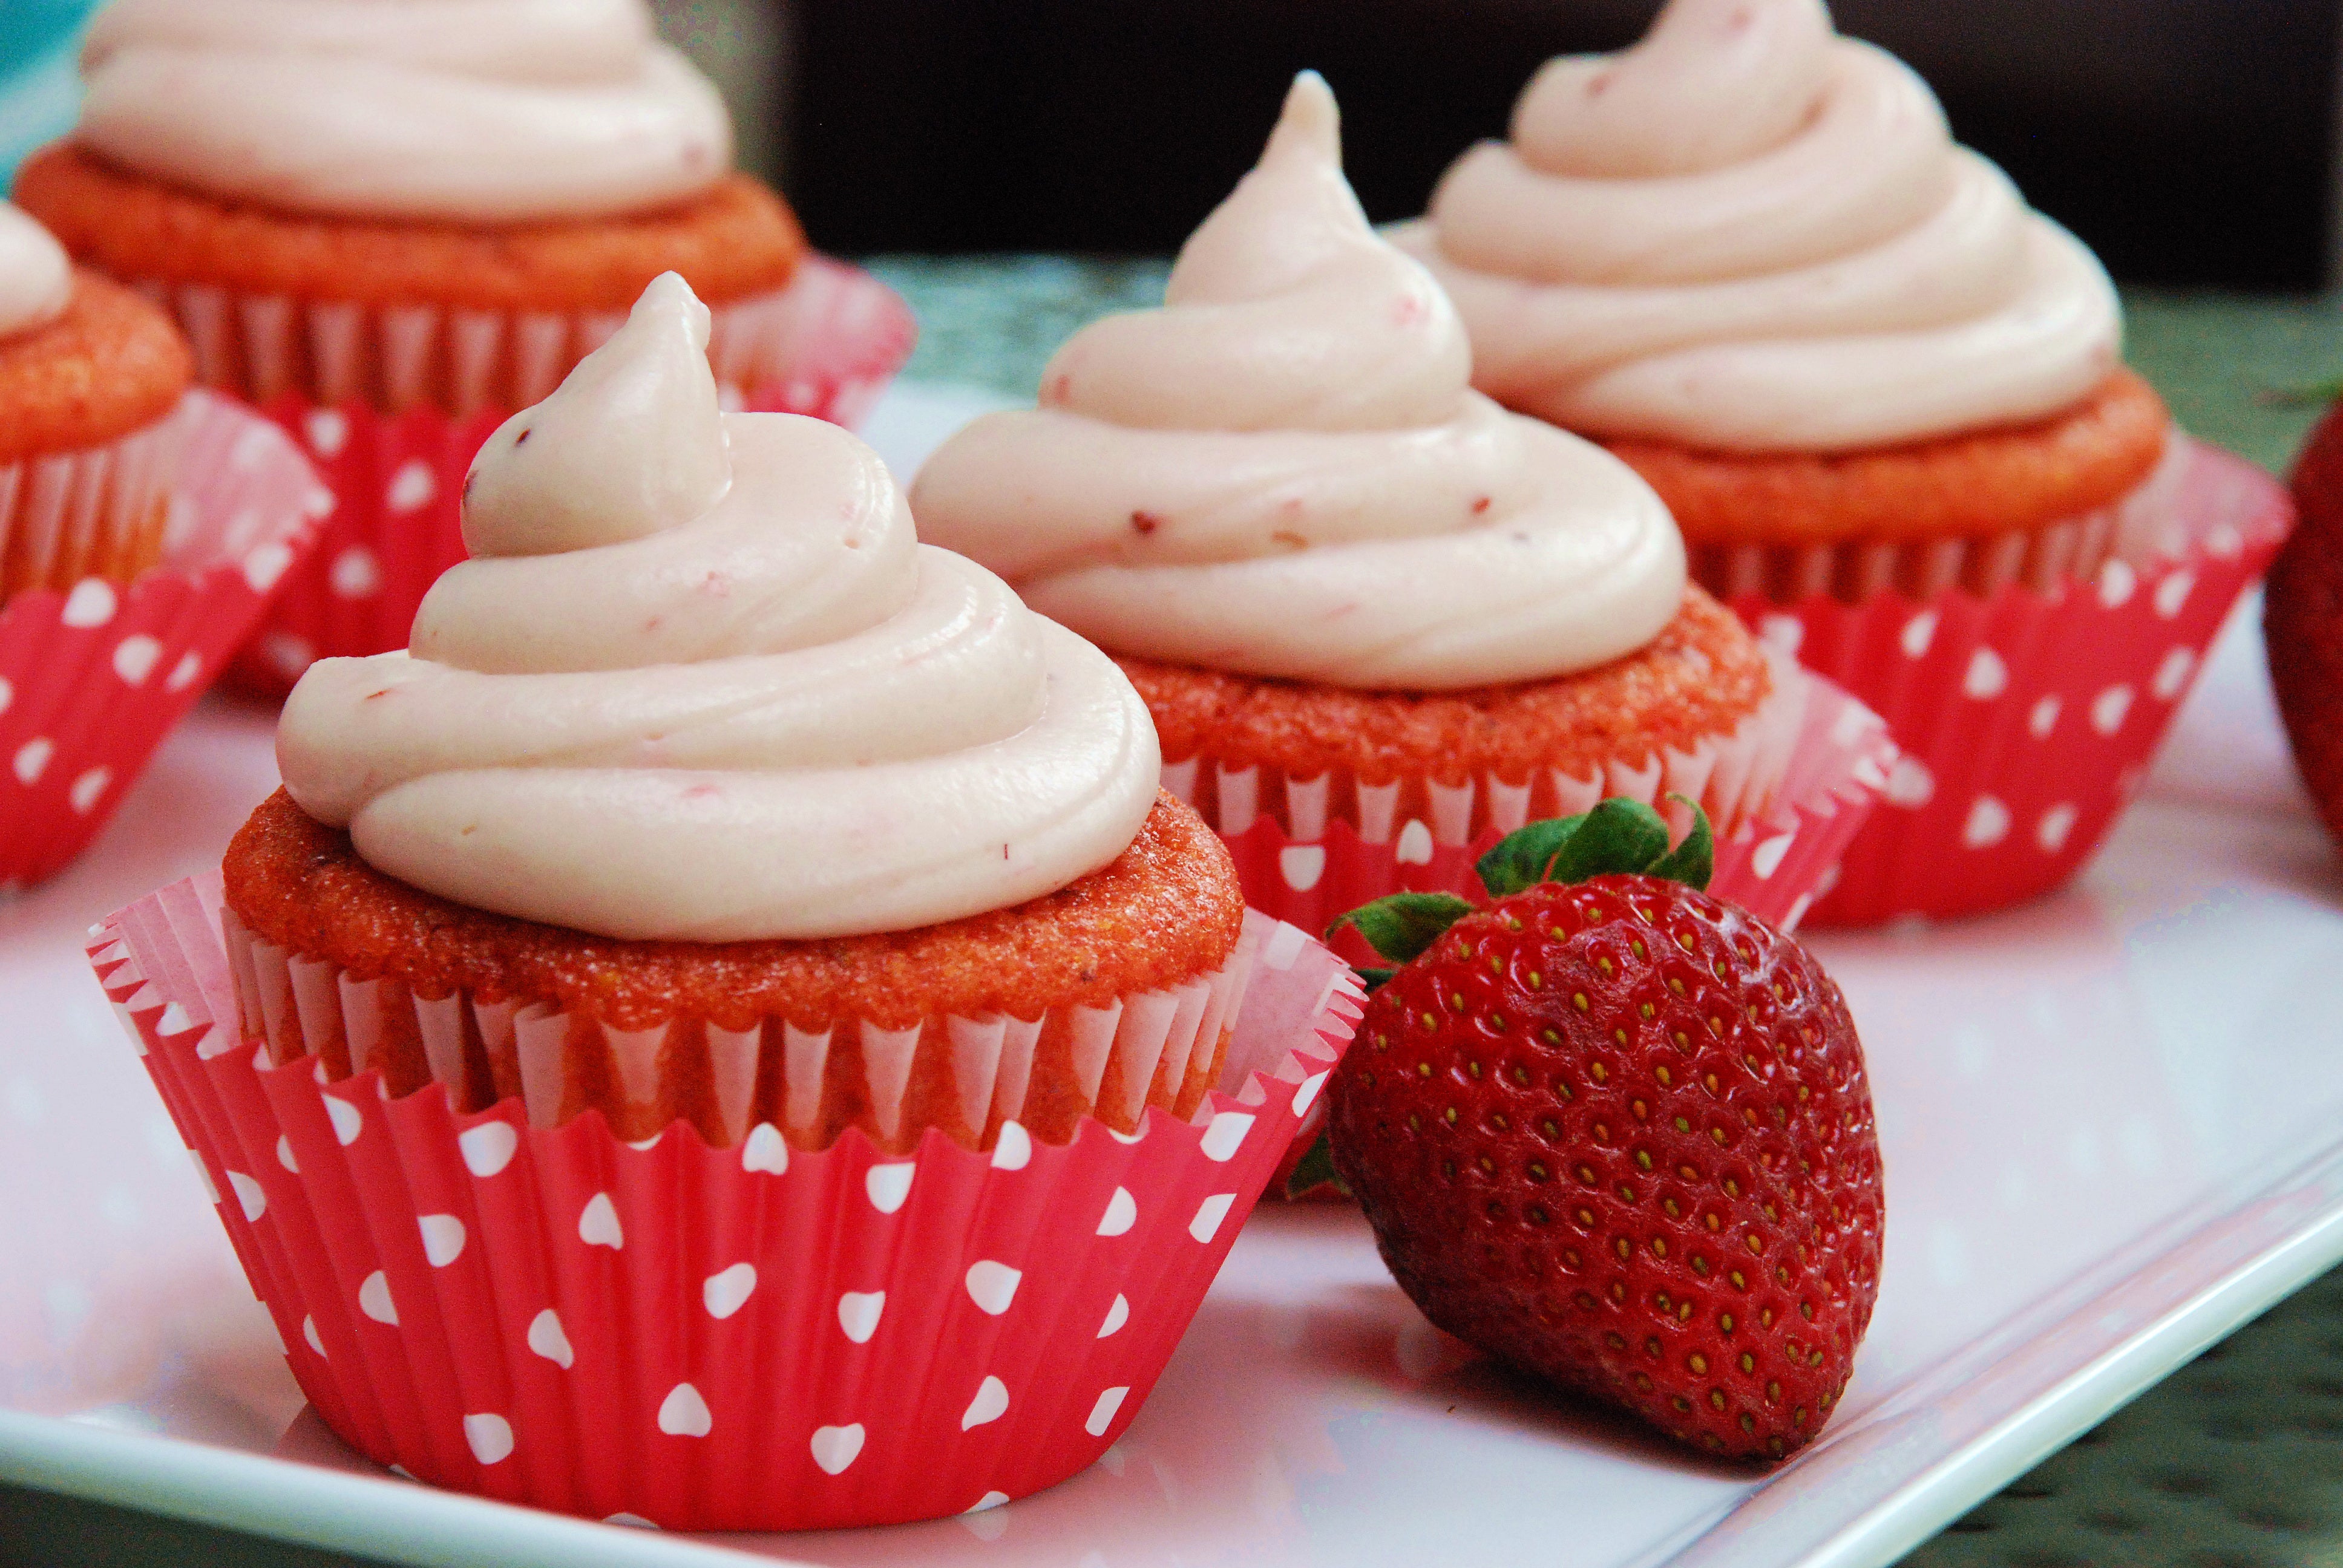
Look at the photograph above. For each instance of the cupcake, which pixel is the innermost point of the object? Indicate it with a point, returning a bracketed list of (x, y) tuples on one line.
[(1887, 406), (114, 510), (391, 226), (744, 1042), (90, 374), (1379, 621)]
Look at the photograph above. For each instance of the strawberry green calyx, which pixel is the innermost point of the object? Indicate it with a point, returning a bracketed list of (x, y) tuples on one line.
[(1316, 1170), (1618, 836)]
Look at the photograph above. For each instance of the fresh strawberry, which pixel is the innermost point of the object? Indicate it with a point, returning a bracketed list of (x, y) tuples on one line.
[(2302, 618), (1619, 1135)]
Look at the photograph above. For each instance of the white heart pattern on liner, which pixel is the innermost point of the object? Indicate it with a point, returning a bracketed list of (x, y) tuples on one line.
[(249, 1195), (835, 1447), (990, 1403), (598, 1224), (374, 1298), (488, 1148), (992, 1286), (443, 1239), (1226, 1135), (490, 1437), (858, 1313), (683, 1413), (347, 1121), (135, 657), (725, 1293), (765, 1151), (1013, 1149), (1102, 1412), (549, 1338), (888, 1185), (1121, 1213)]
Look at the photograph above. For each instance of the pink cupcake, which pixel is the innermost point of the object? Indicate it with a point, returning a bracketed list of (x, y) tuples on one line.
[(1380, 621), (391, 226), (1886, 402)]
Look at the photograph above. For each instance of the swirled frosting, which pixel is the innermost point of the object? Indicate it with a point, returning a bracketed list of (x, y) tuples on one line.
[(700, 681), (1748, 234), (1283, 472), (460, 111), (36, 279)]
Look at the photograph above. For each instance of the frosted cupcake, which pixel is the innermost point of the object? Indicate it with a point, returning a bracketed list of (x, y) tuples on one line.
[(816, 1069), (90, 374), (1885, 402), (391, 225), (1372, 614), (121, 540)]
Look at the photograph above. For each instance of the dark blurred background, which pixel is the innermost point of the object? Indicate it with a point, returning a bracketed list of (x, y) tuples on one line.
[(2188, 141)]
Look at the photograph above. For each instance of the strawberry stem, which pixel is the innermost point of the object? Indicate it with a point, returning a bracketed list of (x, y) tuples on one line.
[(1402, 925), (1618, 834)]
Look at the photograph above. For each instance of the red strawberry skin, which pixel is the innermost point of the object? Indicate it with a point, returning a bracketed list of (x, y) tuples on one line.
[(2302, 620), (1619, 1135)]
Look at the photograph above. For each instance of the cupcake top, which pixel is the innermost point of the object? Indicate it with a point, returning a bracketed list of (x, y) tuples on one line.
[(1748, 234), (1283, 472), (452, 111), (700, 681), (36, 277)]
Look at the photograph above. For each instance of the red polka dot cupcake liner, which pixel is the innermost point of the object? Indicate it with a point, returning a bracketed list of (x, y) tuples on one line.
[(2027, 715), (1785, 793), (92, 679), (751, 1337), (391, 404)]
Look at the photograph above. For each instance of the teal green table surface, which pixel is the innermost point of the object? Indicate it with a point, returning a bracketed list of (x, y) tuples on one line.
[(2235, 1461), (2223, 361)]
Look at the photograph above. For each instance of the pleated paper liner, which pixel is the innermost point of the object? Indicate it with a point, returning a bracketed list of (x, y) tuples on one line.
[(759, 1336), (100, 512), (94, 677), (392, 402), (971, 1076), (2027, 713), (1785, 794)]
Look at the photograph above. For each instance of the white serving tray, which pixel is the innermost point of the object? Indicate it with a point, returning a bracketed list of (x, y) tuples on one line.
[(2113, 1126)]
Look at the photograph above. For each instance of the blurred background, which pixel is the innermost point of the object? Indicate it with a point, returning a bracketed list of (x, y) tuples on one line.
[(2189, 142)]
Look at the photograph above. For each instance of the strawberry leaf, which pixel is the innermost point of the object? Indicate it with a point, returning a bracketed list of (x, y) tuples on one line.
[(1619, 835), (1402, 925), (1693, 862), (1316, 1170), (1522, 860)]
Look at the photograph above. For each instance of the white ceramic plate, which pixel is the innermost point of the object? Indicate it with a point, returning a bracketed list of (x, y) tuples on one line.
[(2113, 1126)]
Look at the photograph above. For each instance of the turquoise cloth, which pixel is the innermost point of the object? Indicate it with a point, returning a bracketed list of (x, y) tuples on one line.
[(39, 90), (994, 321)]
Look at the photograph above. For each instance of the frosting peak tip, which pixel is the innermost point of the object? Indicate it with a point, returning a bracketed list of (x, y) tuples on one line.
[(1310, 118), (631, 443)]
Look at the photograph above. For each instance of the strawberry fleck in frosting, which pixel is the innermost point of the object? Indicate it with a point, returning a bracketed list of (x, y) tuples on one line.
[(36, 279), (1748, 234), (701, 681), (1284, 471), (462, 111)]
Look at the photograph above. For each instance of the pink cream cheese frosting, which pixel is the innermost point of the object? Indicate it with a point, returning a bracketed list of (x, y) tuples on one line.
[(1748, 234), (36, 277), (700, 681), (450, 111), (1284, 472)]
